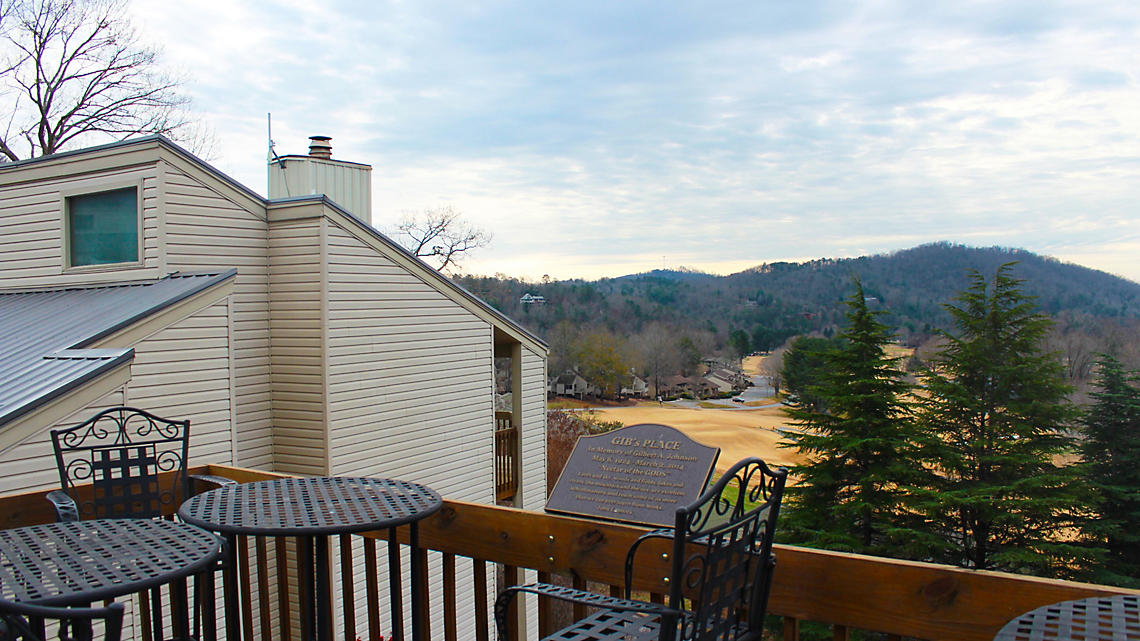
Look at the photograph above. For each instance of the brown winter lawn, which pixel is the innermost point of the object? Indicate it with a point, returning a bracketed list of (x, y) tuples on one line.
[(738, 433)]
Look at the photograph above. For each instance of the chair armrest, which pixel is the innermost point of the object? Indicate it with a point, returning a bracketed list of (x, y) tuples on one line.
[(65, 508), (211, 479), (629, 556), (573, 596)]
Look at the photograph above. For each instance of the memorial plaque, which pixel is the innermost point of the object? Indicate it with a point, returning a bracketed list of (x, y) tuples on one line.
[(638, 474)]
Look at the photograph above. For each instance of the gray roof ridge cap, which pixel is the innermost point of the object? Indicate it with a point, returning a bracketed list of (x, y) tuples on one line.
[(141, 140), (87, 353), (303, 198), (323, 160), (120, 283)]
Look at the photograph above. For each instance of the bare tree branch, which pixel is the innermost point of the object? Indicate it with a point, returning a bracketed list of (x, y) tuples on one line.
[(440, 236), (84, 74)]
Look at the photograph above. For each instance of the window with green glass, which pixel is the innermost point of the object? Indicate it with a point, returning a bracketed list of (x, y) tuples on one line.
[(104, 227)]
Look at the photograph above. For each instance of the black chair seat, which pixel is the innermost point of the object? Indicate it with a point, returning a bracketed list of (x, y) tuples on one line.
[(606, 625)]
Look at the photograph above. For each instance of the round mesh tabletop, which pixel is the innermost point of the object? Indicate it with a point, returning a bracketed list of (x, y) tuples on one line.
[(84, 561), (310, 506), (1116, 618)]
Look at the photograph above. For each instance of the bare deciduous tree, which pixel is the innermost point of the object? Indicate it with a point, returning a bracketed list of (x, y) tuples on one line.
[(657, 349), (440, 235), (773, 368), (76, 70)]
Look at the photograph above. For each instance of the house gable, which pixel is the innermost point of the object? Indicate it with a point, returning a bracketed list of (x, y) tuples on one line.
[(310, 206)]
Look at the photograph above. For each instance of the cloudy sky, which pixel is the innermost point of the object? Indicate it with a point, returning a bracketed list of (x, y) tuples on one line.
[(599, 138)]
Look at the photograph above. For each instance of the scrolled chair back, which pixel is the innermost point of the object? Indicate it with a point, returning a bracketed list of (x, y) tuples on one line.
[(722, 553), (124, 454)]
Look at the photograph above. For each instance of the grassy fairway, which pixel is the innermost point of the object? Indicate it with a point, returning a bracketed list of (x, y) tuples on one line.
[(738, 433)]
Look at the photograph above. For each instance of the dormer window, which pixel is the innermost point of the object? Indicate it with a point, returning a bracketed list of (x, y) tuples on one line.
[(102, 228)]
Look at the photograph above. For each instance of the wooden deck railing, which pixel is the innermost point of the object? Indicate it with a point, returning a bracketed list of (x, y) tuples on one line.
[(506, 457), (900, 598)]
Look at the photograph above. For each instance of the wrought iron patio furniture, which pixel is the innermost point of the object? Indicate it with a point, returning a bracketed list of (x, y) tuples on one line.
[(722, 562), (77, 563), (124, 462), (1114, 618), (313, 509), (24, 622), (135, 463)]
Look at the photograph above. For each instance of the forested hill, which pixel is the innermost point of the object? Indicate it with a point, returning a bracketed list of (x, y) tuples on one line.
[(772, 302)]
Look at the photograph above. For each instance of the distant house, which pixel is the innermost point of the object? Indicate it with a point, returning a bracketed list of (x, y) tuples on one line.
[(636, 387), (705, 388), (569, 383), (718, 384), (734, 379), (532, 299), (675, 386)]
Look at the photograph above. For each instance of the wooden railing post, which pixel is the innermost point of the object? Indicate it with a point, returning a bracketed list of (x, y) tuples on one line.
[(513, 576), (482, 619), (791, 629)]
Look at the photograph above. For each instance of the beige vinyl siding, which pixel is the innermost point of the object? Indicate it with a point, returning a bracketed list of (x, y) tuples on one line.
[(533, 431), (183, 372), (206, 231), (532, 424), (410, 381), (31, 228), (410, 376), (297, 353), (31, 464)]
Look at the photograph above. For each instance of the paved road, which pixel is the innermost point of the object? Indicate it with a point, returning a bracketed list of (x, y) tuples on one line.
[(760, 391)]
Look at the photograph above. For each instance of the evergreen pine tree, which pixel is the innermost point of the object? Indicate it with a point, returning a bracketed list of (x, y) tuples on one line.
[(1111, 451), (803, 363), (995, 413), (856, 443)]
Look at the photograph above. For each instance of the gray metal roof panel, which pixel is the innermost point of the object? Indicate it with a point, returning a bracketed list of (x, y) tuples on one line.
[(42, 333), (47, 379)]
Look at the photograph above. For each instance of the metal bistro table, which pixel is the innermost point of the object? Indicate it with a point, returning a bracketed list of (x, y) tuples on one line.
[(78, 563), (1115, 618), (313, 509)]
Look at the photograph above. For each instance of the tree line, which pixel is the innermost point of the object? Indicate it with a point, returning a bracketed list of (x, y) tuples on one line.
[(761, 309), (982, 460)]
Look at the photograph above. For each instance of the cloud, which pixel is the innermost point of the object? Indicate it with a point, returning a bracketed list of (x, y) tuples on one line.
[(612, 134)]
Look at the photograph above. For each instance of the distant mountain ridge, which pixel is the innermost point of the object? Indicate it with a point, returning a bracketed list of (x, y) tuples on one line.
[(775, 300)]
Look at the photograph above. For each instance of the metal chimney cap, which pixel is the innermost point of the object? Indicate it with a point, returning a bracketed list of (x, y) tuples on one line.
[(320, 147)]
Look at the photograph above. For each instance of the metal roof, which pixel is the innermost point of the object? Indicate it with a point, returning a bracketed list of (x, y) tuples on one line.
[(43, 333)]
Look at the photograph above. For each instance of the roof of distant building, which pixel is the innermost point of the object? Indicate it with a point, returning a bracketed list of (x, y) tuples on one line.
[(568, 378)]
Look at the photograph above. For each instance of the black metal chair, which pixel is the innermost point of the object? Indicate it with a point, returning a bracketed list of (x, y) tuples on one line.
[(721, 574), (136, 466), (25, 622), (123, 453)]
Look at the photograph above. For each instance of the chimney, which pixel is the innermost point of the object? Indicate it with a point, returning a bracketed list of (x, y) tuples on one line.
[(348, 184), (320, 147)]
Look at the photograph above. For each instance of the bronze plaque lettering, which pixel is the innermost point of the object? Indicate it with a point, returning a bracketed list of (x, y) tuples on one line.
[(637, 474)]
